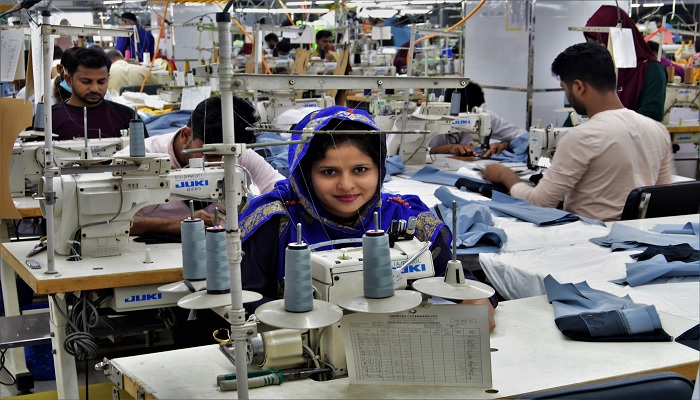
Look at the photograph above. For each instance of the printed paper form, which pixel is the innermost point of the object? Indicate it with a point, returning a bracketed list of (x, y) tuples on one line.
[(11, 46), (435, 345), (191, 96)]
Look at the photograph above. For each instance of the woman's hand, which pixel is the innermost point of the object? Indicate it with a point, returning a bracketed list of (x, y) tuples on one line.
[(492, 311)]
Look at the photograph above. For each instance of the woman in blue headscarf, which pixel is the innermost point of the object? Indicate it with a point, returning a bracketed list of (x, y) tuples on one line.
[(333, 190)]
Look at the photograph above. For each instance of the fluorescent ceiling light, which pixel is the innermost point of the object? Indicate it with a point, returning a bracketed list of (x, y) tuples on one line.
[(635, 5), (283, 10), (416, 11), (653, 5), (321, 2)]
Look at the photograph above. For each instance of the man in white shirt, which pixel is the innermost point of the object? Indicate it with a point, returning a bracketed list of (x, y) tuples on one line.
[(122, 73), (205, 126), (459, 144), (599, 162)]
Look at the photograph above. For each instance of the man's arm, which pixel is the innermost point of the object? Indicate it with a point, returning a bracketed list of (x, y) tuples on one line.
[(145, 225), (457, 149)]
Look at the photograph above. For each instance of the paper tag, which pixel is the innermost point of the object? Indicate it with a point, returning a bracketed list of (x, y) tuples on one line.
[(399, 279), (621, 45)]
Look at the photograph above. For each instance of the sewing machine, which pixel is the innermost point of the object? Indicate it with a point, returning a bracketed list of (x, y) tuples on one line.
[(337, 275), (269, 109), (542, 145), (27, 164), (680, 95), (434, 117)]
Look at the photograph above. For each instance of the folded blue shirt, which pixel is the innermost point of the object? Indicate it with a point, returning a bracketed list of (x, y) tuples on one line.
[(583, 313), (475, 228), (507, 206), (643, 272), (622, 237)]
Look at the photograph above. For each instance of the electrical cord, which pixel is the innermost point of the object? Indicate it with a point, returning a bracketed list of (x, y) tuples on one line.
[(79, 342), (3, 367)]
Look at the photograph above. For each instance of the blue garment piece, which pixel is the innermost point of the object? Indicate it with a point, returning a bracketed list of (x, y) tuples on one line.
[(430, 174), (622, 237), (584, 313), (394, 165), (507, 206), (475, 228), (519, 146), (167, 123), (643, 272), (274, 155), (690, 228)]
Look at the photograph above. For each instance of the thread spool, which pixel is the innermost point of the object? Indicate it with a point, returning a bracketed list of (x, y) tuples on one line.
[(218, 278), (137, 146), (298, 292), (376, 264), (39, 117), (194, 247)]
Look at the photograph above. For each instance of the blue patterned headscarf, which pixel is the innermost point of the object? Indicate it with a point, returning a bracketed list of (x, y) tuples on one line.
[(292, 199)]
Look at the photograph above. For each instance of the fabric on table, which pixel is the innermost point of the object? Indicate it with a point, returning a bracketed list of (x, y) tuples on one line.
[(430, 174), (623, 237), (518, 150), (586, 314), (690, 228), (475, 228), (690, 338), (678, 252), (480, 186), (394, 165), (167, 123), (507, 206), (643, 272)]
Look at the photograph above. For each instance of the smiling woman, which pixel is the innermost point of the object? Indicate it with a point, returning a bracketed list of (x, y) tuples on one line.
[(333, 190)]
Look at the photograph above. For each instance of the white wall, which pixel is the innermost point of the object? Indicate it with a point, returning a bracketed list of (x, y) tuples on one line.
[(496, 56)]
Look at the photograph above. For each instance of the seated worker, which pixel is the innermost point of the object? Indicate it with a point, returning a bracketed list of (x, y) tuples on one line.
[(122, 73), (459, 144), (283, 49), (641, 89), (140, 42), (597, 163), (324, 41), (205, 126), (333, 190), (86, 73), (272, 40)]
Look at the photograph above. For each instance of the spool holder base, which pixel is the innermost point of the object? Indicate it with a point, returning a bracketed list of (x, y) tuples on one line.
[(203, 300), (402, 300), (323, 314), (469, 290)]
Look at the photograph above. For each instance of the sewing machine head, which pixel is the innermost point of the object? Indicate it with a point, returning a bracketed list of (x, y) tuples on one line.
[(680, 95), (269, 109), (542, 145)]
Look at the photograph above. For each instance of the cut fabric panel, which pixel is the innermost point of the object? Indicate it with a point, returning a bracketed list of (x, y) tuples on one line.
[(690, 228), (430, 174), (622, 237), (507, 206), (394, 165), (643, 272), (678, 252), (475, 228), (586, 314), (518, 153)]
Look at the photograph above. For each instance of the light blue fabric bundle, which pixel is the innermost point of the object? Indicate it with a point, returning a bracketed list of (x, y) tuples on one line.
[(643, 272), (690, 228), (623, 237)]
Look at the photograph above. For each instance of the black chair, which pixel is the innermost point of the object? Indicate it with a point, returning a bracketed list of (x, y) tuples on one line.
[(657, 385), (663, 201), (148, 89)]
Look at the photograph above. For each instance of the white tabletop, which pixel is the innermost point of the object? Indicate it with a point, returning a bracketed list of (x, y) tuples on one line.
[(531, 253), (530, 355)]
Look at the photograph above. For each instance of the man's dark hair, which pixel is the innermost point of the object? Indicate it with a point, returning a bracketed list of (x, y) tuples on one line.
[(270, 37), (323, 34), (57, 53), (653, 46), (284, 46), (472, 96), (588, 62), (207, 125), (129, 16), (87, 57)]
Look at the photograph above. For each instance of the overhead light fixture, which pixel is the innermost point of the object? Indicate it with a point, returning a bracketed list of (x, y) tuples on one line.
[(322, 2), (299, 3), (649, 5), (416, 11), (283, 10), (635, 5)]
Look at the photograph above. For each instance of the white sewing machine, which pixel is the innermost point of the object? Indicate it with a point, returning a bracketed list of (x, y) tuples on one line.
[(337, 275), (269, 109), (434, 117), (27, 164), (680, 95), (542, 145)]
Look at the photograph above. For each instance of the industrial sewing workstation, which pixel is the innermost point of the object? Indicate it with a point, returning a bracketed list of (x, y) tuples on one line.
[(368, 321)]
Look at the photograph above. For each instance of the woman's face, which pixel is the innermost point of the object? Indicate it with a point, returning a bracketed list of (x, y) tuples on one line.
[(344, 180)]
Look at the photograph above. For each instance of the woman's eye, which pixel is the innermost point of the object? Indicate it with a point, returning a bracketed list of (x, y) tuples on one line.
[(328, 172), (361, 169)]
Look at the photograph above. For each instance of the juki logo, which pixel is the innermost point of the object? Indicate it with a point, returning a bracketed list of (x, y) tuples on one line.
[(192, 184), (144, 297), (460, 122), (414, 268)]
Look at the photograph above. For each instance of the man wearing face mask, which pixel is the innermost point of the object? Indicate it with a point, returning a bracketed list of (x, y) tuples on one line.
[(86, 73), (205, 126)]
